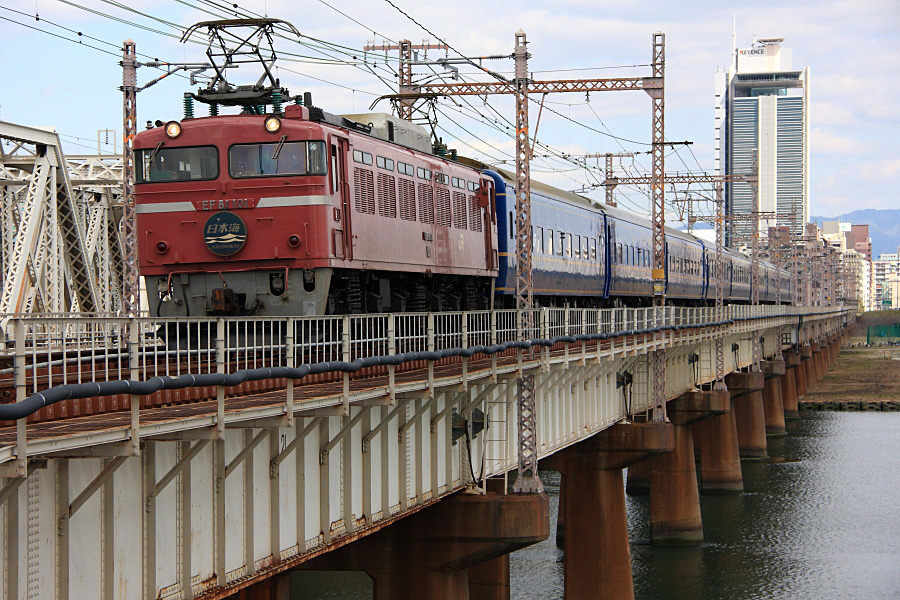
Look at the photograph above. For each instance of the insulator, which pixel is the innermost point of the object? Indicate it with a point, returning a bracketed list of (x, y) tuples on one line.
[(276, 102), (188, 106), (213, 110)]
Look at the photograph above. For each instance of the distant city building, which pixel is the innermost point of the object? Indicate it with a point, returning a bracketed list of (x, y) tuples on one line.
[(844, 239), (762, 104), (886, 269), (862, 243)]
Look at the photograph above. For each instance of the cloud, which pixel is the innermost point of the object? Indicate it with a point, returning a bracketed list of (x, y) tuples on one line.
[(826, 141), (852, 47)]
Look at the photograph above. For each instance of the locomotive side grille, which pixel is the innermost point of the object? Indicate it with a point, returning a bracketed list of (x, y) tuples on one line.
[(442, 207), (364, 191), (426, 203), (459, 210), (474, 214), (408, 200), (387, 196)]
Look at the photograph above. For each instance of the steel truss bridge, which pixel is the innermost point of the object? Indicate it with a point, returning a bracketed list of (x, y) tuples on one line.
[(59, 226), (205, 455)]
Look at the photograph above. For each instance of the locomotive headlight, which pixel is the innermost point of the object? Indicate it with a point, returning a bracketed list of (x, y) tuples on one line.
[(273, 124), (173, 129), (294, 241), (162, 247)]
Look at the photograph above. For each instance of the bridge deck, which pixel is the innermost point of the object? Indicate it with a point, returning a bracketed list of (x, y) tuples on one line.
[(110, 427)]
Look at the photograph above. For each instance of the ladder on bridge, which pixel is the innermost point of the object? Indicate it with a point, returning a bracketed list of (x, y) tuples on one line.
[(495, 446)]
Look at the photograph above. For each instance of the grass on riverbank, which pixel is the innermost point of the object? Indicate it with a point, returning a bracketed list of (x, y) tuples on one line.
[(860, 375)]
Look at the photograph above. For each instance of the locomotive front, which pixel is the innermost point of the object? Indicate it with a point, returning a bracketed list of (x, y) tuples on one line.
[(235, 215)]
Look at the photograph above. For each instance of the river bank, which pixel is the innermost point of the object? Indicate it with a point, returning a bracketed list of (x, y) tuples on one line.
[(862, 379)]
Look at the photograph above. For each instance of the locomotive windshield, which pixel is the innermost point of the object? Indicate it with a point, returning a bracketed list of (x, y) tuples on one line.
[(176, 164), (278, 158)]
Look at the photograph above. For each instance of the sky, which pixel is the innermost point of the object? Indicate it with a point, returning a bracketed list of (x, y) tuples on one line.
[(851, 46)]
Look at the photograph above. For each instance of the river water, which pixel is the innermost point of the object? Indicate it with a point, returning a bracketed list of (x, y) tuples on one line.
[(824, 524), (820, 521)]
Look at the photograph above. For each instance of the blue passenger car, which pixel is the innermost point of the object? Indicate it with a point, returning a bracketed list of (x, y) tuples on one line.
[(590, 255)]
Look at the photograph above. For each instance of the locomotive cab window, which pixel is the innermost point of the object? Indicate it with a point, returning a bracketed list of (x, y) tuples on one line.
[(278, 158), (176, 164)]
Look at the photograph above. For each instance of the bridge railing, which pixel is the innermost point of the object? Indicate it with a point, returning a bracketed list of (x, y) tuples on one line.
[(59, 350)]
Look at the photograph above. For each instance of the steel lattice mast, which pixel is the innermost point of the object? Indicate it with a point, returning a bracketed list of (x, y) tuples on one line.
[(131, 296), (527, 481), (406, 105), (658, 217), (720, 288), (522, 86)]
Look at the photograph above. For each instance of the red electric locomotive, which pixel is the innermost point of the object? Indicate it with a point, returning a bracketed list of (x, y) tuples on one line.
[(307, 213)]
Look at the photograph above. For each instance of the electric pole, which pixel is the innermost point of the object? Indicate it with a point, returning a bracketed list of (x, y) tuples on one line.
[(131, 290), (407, 89), (521, 87)]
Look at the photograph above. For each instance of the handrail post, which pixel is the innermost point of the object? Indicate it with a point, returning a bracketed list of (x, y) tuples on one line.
[(21, 469), (220, 368), (493, 317), (545, 333), (465, 345), (291, 363), (392, 350), (429, 331), (346, 357)]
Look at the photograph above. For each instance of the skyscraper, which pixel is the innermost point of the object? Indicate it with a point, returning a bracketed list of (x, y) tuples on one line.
[(762, 104)]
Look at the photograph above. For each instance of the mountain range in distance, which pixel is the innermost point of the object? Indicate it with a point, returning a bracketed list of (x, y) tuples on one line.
[(884, 227)]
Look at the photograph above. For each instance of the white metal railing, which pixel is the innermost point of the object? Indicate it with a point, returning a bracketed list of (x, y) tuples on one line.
[(76, 349)]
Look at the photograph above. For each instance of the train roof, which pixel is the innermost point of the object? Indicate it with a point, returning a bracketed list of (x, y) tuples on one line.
[(613, 211)]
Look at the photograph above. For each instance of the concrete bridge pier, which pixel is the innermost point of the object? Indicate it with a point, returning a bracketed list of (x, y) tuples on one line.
[(430, 554), (773, 407), (803, 371), (747, 400), (817, 364), (674, 498), (826, 355), (720, 459), (789, 386), (835, 349), (597, 553)]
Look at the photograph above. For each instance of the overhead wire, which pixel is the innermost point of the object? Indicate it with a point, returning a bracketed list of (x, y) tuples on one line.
[(343, 50)]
